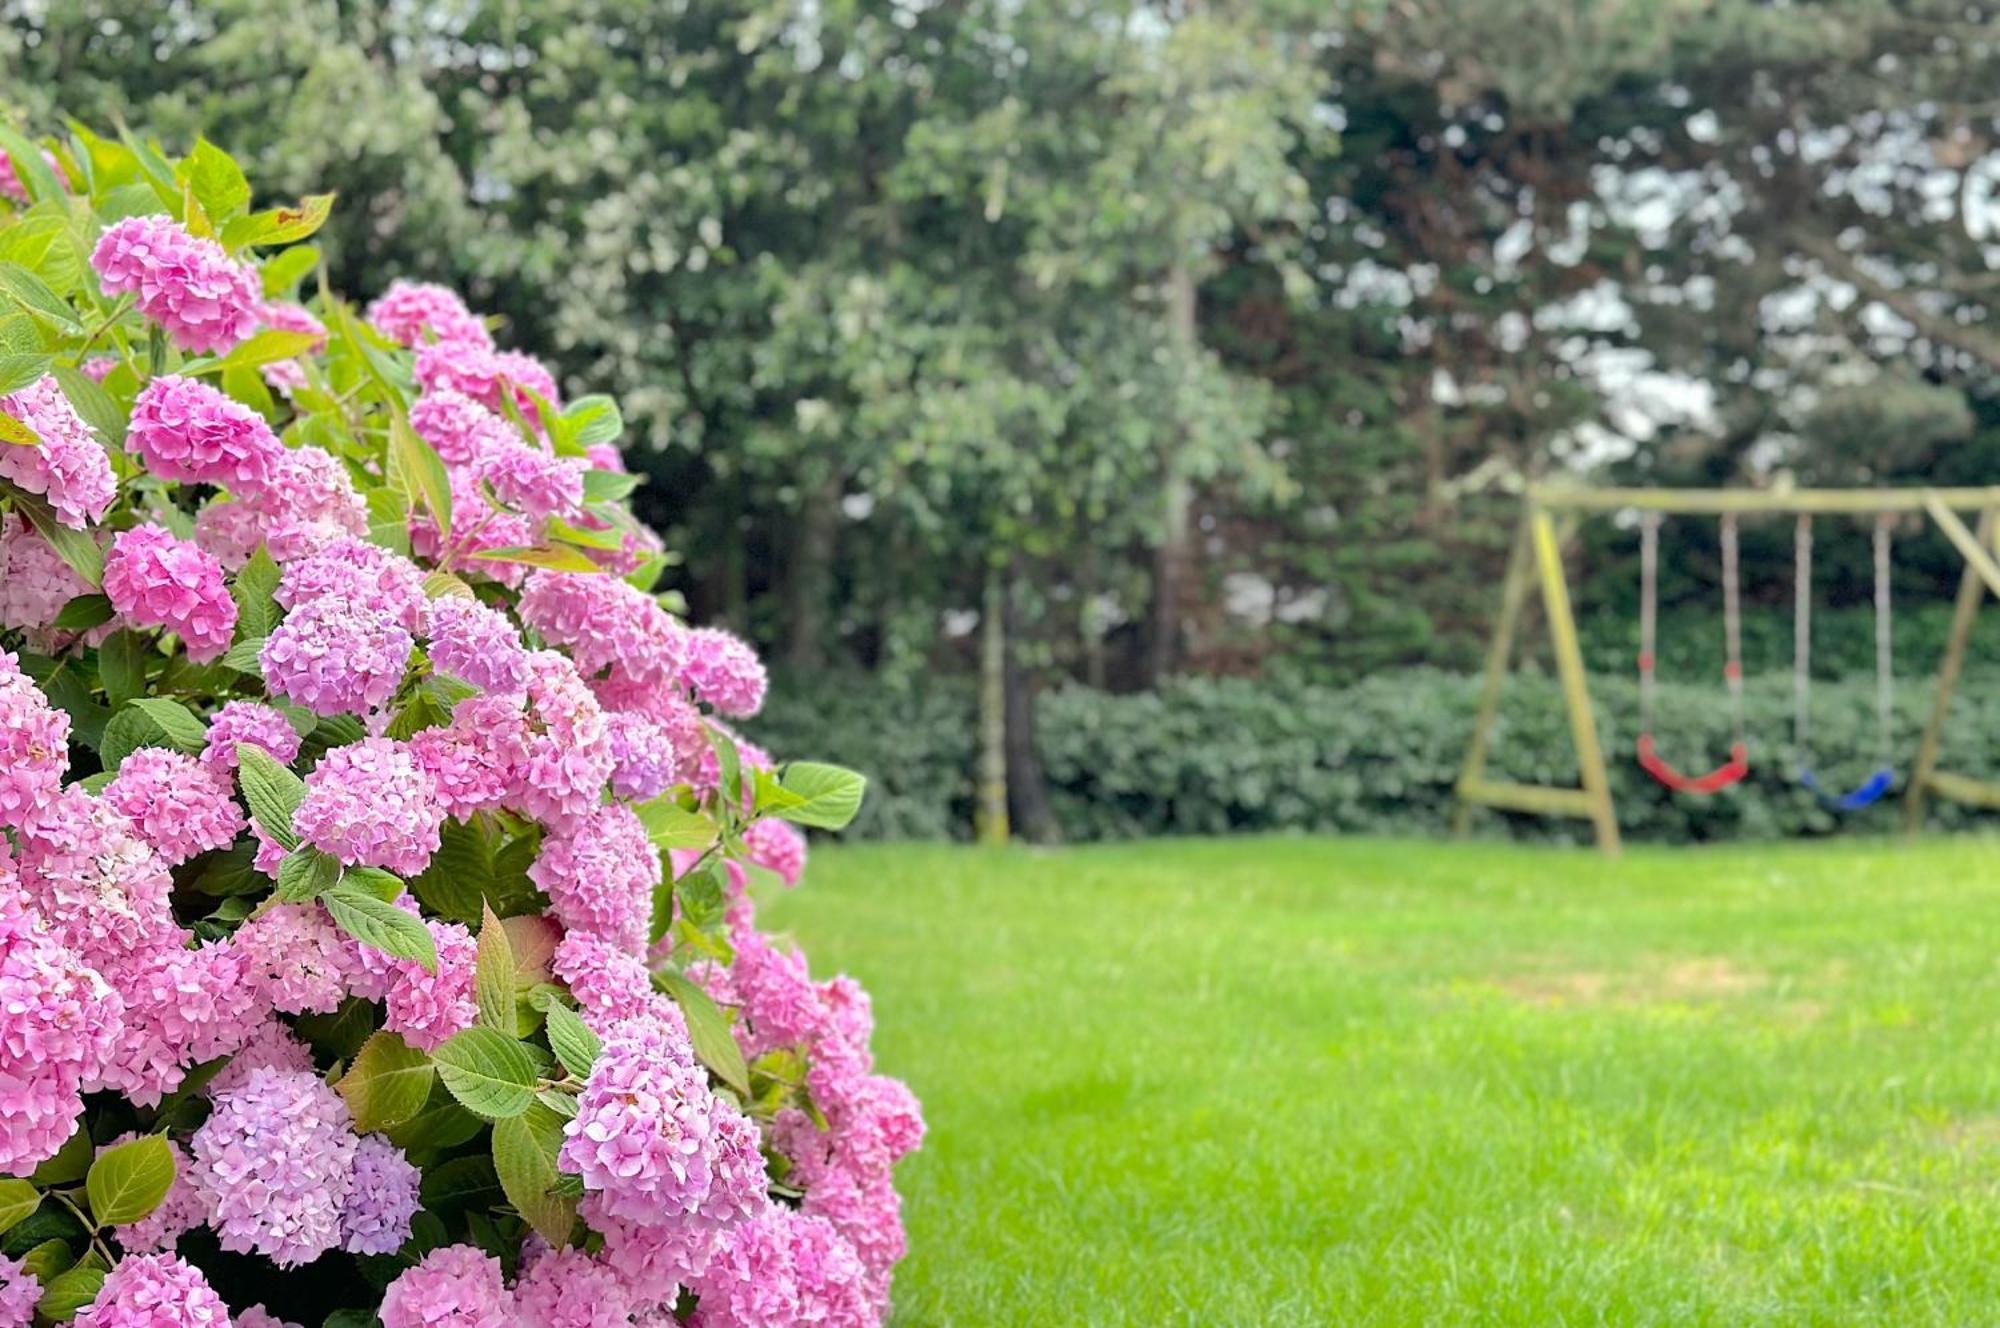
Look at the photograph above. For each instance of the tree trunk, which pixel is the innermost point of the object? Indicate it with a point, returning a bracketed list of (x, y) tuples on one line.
[(808, 587), (734, 592), (1088, 625), (990, 816), (1171, 558), (1027, 794)]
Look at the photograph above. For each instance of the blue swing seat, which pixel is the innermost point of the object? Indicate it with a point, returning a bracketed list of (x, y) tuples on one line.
[(1870, 791)]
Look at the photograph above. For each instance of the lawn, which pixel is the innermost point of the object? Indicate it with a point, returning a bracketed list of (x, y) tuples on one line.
[(1349, 1082)]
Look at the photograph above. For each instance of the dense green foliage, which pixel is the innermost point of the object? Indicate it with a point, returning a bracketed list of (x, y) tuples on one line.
[(1212, 756), (1304, 1082)]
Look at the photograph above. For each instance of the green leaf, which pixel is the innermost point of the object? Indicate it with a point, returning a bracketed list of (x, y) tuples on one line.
[(596, 419), (728, 764), (83, 613), (279, 225), (708, 1029), (69, 1292), (383, 884), (69, 1164), (422, 471), (376, 922), (46, 1261), (524, 1157), (18, 1199), (282, 272), (128, 1180), (140, 724), (121, 665), (245, 657), (454, 885), (673, 826), (74, 547), (607, 486), (493, 978), (306, 873), (217, 181), (438, 585), (831, 793), (31, 166), (461, 1183), (388, 1084), (558, 558), (184, 730), (490, 1073), (571, 1039), (253, 588), (97, 407), (34, 295), (266, 347), (272, 792), (17, 370)]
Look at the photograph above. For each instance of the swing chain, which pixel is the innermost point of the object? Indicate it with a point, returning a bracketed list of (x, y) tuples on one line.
[(1732, 628), (1885, 701)]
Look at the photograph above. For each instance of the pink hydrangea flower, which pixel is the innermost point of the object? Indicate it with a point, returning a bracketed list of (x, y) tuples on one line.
[(310, 502), (181, 807), (183, 429), (483, 374), (35, 582), (569, 743), (646, 1137), (410, 311), (725, 672), (205, 300), (100, 886), (181, 1006), (58, 1021), (366, 575), (157, 580), (34, 745), (610, 984), (539, 484), (369, 805), (334, 657), (20, 1289), (275, 1161), (605, 622), (570, 1289), (476, 642), (785, 1268), (230, 531), (475, 762), (154, 1291), (270, 1046), (296, 958), (382, 1200), (459, 428), (649, 756), (454, 1287), (599, 871), (427, 1008), (259, 1317), (252, 722), (605, 456), (69, 468), (778, 847)]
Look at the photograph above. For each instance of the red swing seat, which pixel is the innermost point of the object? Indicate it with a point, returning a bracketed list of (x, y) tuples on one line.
[(1733, 771), (1737, 768)]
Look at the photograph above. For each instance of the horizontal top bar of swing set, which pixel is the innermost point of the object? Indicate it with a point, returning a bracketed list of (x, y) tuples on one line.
[(1575, 498)]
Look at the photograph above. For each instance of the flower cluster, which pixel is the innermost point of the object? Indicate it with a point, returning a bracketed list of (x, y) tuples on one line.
[(501, 838)]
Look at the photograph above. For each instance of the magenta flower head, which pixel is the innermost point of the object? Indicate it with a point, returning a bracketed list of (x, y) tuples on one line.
[(180, 807), (476, 642), (251, 722), (34, 745), (369, 805), (35, 582), (157, 580), (311, 502), (58, 1022), (454, 1287), (275, 1161), (413, 312), (605, 622), (382, 1200), (20, 1290), (69, 467), (460, 428), (334, 656), (724, 671), (183, 429), (599, 871), (570, 1289), (205, 300), (154, 1291), (366, 575)]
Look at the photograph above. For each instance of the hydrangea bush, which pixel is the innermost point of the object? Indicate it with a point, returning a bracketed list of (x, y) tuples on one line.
[(375, 935)]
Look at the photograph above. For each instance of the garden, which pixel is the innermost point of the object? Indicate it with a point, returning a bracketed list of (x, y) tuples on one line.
[(807, 664)]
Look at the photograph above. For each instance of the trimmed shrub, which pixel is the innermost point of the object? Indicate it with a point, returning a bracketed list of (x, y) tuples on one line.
[(1218, 756), (374, 934)]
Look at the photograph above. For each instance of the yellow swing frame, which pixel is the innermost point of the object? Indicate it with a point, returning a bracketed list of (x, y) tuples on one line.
[(1550, 515)]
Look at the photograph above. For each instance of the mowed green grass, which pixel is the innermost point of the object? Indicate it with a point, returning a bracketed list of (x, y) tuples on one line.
[(1349, 1082)]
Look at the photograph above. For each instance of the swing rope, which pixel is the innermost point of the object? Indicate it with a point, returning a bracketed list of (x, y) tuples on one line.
[(1737, 767), (1883, 779)]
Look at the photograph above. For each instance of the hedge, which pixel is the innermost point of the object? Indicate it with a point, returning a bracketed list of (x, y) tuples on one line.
[(1216, 756)]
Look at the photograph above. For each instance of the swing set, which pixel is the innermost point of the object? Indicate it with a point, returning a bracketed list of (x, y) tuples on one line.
[(1536, 564)]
